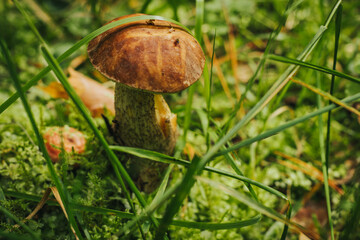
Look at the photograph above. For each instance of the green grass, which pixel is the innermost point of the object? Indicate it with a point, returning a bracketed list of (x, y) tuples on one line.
[(188, 202)]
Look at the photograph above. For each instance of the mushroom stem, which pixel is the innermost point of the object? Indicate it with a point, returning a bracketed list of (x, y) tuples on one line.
[(144, 120)]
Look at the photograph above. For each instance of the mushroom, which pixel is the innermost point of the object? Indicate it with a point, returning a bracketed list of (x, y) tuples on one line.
[(67, 137), (146, 59)]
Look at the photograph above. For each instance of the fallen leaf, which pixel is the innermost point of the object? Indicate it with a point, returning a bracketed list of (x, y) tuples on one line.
[(94, 95), (55, 90)]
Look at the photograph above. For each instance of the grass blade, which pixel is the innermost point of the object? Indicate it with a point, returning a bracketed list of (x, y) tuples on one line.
[(75, 206), (314, 67), (145, 6), (216, 226), (327, 144), (20, 223), (337, 36), (224, 84), (2, 195), (208, 82), (328, 96), (323, 162), (199, 19)]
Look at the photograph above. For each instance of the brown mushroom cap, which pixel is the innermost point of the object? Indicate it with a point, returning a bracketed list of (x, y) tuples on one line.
[(152, 55)]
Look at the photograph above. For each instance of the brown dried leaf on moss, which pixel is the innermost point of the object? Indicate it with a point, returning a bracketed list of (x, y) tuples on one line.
[(95, 95)]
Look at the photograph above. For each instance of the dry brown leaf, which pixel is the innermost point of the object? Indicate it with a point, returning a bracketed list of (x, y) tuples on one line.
[(94, 95), (55, 90)]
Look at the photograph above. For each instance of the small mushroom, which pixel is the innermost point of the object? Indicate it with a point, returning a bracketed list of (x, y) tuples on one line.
[(146, 59), (67, 137)]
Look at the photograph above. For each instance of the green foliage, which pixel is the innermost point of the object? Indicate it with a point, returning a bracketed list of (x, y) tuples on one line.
[(208, 121)]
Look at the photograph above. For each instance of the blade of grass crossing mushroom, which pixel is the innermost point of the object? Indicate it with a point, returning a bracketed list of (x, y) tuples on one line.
[(118, 168), (33, 234), (56, 179), (76, 47), (188, 179)]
